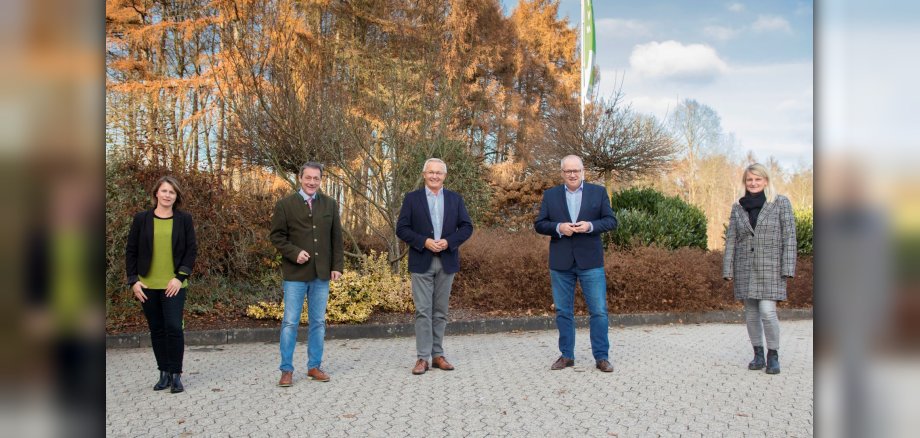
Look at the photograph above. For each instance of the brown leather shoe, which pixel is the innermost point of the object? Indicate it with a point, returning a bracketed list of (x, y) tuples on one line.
[(287, 378), (441, 363), (605, 366), (421, 366), (562, 363), (317, 374)]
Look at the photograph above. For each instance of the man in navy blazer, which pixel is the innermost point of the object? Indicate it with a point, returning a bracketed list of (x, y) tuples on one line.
[(434, 223), (574, 215)]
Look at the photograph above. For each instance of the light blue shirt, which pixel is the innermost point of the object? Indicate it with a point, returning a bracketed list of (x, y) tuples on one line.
[(573, 202), (436, 207)]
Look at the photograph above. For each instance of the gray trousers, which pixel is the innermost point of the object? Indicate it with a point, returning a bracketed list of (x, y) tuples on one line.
[(431, 294), (761, 317)]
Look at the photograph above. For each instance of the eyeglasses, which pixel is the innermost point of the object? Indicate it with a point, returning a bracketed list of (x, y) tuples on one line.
[(572, 172), (434, 173)]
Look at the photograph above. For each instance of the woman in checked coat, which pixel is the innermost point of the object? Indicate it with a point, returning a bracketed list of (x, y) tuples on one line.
[(760, 252)]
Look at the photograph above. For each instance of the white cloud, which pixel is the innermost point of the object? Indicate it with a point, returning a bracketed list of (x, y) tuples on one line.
[(736, 7), (767, 23), (617, 27), (720, 33), (673, 60)]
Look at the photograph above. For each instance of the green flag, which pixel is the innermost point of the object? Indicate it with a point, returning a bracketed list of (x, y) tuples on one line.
[(587, 50)]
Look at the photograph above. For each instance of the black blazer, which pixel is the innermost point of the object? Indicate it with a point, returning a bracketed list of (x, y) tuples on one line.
[(139, 250)]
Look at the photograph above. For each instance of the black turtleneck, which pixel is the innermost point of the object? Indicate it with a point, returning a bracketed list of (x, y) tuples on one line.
[(753, 202)]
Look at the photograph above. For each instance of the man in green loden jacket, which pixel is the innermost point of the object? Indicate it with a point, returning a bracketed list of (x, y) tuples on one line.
[(307, 231)]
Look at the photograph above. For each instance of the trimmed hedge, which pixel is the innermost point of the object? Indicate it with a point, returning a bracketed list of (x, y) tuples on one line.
[(648, 217), (504, 273)]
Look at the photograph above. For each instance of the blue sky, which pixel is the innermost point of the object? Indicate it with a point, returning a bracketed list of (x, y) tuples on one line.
[(751, 61)]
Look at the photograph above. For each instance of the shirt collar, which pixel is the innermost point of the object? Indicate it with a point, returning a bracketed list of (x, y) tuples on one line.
[(430, 193), (305, 195), (580, 188)]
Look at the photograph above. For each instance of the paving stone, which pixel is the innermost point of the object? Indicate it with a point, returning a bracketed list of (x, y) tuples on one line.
[(674, 380)]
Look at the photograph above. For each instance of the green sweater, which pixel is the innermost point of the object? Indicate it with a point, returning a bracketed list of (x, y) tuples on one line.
[(161, 263)]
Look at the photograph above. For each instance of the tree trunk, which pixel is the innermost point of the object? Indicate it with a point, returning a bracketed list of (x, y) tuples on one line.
[(393, 254), (609, 183)]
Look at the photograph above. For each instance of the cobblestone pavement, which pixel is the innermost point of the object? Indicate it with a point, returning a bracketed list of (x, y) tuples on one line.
[(674, 380)]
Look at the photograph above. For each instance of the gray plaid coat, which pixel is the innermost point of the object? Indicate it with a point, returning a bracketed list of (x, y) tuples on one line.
[(760, 259)]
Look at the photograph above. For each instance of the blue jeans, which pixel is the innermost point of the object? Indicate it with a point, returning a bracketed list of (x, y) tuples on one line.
[(317, 295), (594, 286)]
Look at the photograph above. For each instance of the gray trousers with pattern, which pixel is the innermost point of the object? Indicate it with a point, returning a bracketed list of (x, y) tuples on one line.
[(431, 294)]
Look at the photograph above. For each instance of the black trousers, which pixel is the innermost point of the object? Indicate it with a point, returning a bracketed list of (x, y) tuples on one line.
[(164, 317)]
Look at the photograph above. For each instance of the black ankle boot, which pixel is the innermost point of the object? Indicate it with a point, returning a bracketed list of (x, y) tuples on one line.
[(176, 383), (164, 382), (772, 362), (758, 363)]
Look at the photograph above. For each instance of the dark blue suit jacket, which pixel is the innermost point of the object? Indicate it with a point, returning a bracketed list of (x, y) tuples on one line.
[(582, 250), (414, 226)]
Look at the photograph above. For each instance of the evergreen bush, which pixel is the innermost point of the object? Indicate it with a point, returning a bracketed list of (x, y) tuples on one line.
[(646, 217)]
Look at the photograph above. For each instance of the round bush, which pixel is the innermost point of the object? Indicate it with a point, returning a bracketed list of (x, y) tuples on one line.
[(646, 216)]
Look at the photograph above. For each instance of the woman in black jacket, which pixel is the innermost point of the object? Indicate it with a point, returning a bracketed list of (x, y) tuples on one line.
[(159, 258)]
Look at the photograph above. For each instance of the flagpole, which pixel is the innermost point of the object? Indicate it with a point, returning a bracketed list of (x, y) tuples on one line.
[(588, 51), (583, 53)]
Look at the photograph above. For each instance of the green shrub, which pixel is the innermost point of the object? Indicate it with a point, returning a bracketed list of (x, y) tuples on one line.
[(805, 230), (648, 217), (642, 199)]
